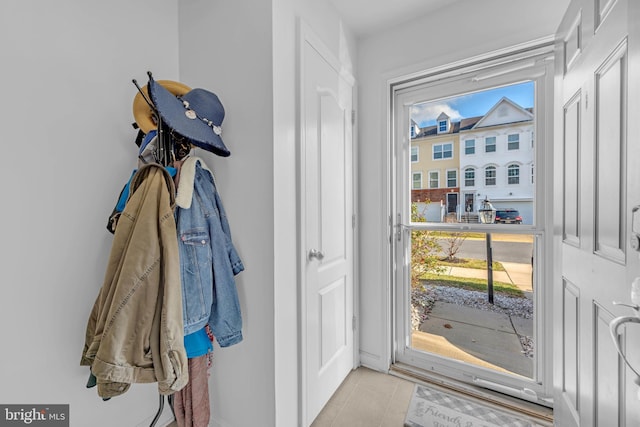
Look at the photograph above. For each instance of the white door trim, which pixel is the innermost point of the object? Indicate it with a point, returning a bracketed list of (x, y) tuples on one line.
[(504, 59)]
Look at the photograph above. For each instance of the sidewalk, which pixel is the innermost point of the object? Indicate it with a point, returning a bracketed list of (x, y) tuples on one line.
[(517, 274), (479, 337)]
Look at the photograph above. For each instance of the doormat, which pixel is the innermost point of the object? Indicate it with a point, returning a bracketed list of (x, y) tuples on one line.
[(432, 408)]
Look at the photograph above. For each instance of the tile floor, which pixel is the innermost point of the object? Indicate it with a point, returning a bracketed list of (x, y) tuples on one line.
[(369, 399)]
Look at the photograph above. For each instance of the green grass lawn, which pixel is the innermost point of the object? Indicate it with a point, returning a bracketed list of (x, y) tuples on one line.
[(472, 284), (471, 263), (466, 234)]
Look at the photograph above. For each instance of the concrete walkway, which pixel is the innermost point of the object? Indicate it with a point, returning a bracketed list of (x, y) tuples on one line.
[(517, 274), (471, 335), (480, 337)]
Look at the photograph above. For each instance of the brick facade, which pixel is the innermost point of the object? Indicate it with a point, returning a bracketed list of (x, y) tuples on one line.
[(435, 195)]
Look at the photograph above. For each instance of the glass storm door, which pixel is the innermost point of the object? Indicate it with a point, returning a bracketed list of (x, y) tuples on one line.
[(470, 300)]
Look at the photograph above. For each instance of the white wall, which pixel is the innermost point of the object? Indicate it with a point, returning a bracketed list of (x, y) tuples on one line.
[(68, 150), (68, 146), (454, 33), (245, 52), (226, 48), (68, 141)]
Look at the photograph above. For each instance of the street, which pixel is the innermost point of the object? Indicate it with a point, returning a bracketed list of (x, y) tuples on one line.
[(519, 252)]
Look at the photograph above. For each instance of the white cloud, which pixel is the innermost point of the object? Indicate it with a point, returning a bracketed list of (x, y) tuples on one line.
[(425, 114)]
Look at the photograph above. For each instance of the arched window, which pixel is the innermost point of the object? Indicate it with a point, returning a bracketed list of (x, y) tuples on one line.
[(513, 174), (490, 175), (469, 177)]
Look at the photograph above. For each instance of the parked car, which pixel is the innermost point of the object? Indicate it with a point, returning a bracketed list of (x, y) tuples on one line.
[(508, 216)]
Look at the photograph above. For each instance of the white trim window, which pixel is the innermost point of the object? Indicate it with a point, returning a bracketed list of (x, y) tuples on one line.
[(513, 141), (434, 179), (513, 174), (490, 175), (415, 151), (452, 178), (442, 126), (490, 144), (469, 177), (416, 180), (443, 151), (470, 147)]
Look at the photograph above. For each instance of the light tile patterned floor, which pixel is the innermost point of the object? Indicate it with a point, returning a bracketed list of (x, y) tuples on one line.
[(367, 398)]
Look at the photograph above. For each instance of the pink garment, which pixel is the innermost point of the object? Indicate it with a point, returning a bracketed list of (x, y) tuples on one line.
[(191, 403)]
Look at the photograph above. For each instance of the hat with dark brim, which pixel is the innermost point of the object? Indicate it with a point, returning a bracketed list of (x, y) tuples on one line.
[(142, 113), (196, 115)]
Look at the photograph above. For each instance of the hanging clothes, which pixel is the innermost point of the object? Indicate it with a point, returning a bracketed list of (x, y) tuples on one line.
[(135, 330), (147, 154), (169, 290), (191, 404), (208, 258)]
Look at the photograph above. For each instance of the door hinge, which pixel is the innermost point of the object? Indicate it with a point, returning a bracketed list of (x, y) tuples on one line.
[(353, 117), (353, 323), (586, 100), (353, 221)]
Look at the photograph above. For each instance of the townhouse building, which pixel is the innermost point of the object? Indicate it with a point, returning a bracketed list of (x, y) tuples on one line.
[(455, 165)]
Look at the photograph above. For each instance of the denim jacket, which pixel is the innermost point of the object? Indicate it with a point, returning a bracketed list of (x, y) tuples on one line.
[(208, 259)]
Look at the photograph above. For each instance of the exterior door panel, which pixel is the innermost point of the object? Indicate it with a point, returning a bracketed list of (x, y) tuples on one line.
[(597, 264)]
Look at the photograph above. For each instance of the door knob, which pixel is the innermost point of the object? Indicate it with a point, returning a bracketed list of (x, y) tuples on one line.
[(315, 253)]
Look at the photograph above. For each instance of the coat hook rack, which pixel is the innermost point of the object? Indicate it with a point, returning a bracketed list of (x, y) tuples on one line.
[(160, 409), (149, 103), (164, 147), (157, 417)]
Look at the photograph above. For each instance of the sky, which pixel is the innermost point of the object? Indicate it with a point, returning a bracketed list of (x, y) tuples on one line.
[(472, 105)]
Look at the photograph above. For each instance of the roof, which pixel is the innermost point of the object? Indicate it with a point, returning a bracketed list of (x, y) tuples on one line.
[(495, 115), (472, 122), (455, 127)]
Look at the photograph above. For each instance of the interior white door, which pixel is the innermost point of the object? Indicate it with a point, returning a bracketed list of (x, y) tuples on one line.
[(327, 234), (598, 185)]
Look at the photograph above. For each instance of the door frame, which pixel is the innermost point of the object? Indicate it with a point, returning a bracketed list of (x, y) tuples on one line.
[(455, 194), (542, 48), (305, 34)]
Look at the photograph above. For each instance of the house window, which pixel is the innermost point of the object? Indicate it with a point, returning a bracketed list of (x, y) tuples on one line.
[(442, 151), (513, 142), (490, 144), (413, 131), (490, 175), (416, 180), (414, 154), (442, 126), (513, 174), (470, 146), (434, 179), (452, 178), (469, 177)]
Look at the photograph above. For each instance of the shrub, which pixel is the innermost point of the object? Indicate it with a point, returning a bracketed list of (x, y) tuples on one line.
[(424, 251)]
